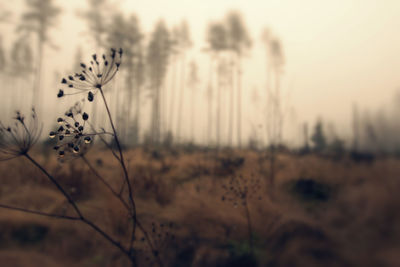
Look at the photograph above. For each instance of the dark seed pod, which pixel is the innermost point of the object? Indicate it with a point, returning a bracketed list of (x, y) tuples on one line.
[(85, 116), (90, 96), (60, 93)]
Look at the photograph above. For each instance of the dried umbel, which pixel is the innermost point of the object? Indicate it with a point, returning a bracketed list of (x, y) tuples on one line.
[(163, 238), (73, 139), (18, 138), (241, 189), (94, 76)]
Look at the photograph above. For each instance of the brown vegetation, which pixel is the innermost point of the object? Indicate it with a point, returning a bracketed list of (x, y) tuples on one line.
[(323, 212)]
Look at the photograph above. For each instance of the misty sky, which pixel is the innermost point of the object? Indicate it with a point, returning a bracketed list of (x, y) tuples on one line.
[(337, 52)]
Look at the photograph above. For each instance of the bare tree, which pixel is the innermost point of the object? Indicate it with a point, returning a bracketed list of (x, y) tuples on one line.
[(174, 48), (158, 53), (356, 128), (184, 44), (275, 61), (97, 18), (125, 33), (238, 43), (193, 84), (217, 43), (39, 18)]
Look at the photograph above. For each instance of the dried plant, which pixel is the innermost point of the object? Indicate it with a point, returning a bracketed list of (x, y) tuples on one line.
[(163, 237), (17, 139), (74, 135), (93, 78), (239, 191)]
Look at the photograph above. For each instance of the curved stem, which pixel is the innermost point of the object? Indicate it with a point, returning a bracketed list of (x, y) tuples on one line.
[(40, 213), (81, 217), (92, 169), (59, 187), (122, 162)]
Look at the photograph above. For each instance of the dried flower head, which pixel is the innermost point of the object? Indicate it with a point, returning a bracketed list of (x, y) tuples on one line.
[(240, 190), (17, 139), (72, 138), (93, 77), (163, 239)]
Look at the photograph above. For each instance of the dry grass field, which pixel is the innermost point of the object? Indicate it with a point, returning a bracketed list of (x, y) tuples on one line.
[(321, 211)]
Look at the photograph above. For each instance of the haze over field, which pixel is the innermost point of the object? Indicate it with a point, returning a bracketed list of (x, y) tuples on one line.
[(336, 53)]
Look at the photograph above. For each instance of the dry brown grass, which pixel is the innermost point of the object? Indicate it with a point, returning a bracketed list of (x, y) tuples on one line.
[(357, 225)]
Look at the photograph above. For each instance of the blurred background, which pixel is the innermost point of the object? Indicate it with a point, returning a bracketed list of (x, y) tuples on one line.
[(256, 133), (216, 73)]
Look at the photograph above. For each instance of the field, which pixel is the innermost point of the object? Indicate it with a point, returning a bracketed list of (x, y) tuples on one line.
[(321, 211)]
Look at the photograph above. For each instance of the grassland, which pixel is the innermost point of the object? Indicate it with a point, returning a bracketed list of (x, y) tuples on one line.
[(321, 211)]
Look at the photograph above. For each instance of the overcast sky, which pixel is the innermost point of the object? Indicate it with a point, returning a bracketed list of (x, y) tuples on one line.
[(337, 52)]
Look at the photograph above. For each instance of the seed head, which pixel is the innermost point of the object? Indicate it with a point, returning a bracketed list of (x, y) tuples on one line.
[(18, 139), (72, 140), (95, 77)]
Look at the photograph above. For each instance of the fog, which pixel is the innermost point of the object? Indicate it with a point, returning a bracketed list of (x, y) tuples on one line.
[(336, 55)]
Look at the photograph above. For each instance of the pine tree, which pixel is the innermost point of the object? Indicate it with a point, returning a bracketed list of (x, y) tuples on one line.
[(39, 18)]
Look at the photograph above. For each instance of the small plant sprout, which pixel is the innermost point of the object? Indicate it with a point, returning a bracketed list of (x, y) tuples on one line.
[(17, 139), (239, 191), (94, 76)]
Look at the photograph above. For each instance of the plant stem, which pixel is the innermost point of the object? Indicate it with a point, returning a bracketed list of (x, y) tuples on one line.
[(40, 213), (122, 162), (59, 187), (132, 202), (249, 228), (92, 169), (73, 204)]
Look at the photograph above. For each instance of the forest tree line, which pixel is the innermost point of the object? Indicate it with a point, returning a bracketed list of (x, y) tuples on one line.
[(157, 71)]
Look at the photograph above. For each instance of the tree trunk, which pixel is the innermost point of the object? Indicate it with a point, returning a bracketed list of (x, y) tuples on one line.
[(209, 100), (172, 104), (192, 115), (218, 121), (231, 102), (129, 101), (36, 100), (137, 116), (181, 96), (239, 103)]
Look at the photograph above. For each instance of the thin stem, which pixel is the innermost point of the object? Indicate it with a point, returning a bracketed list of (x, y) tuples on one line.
[(40, 213), (81, 217), (122, 162), (146, 235), (105, 142), (59, 187), (92, 169), (249, 227)]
